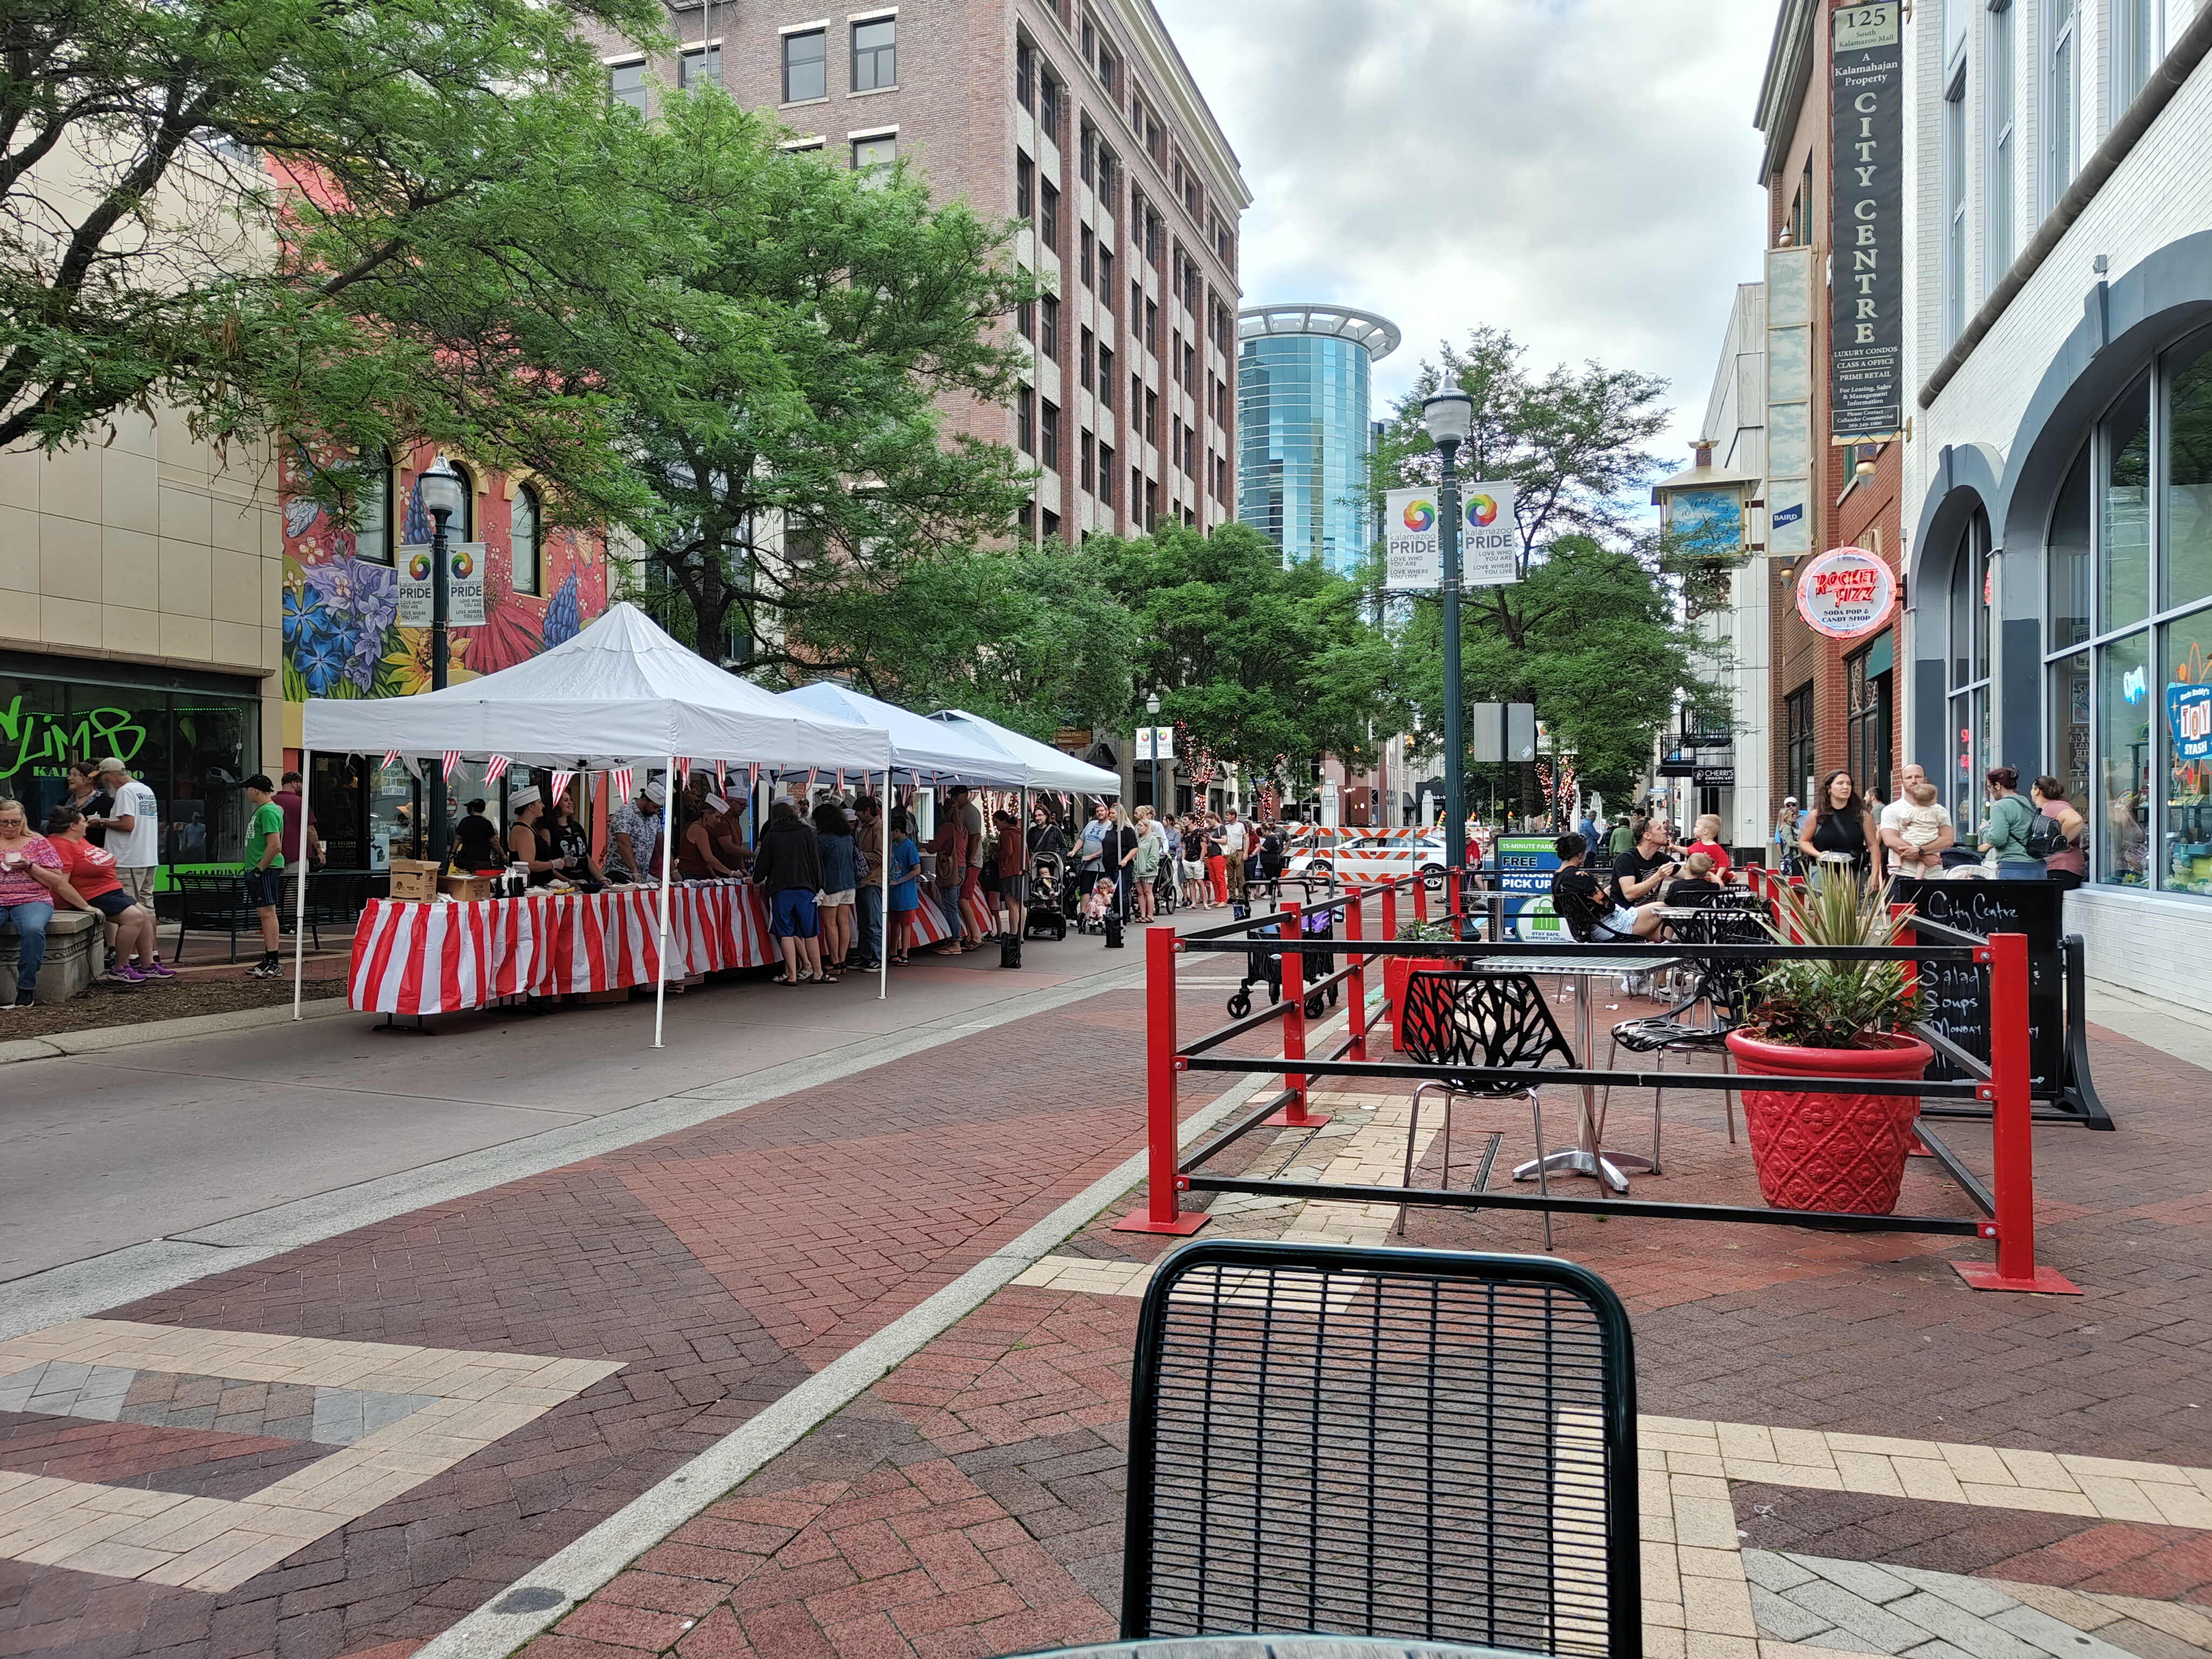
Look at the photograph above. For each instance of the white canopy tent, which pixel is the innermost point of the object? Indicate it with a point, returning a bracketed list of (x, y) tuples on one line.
[(921, 749), (620, 693), (1043, 766)]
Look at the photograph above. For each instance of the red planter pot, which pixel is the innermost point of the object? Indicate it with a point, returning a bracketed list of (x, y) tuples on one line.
[(1394, 971), (1822, 1151)]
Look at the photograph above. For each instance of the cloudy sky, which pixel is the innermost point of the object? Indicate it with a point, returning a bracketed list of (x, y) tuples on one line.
[(1581, 172)]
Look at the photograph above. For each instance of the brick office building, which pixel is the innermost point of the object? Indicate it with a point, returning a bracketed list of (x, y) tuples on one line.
[(1834, 703), (1082, 119)]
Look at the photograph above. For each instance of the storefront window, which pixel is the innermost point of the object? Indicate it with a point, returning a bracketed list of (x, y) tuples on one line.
[(2184, 726), (395, 800), (1969, 656), (2069, 562), (2188, 527), (2123, 719), (192, 741), (2123, 510), (2069, 725)]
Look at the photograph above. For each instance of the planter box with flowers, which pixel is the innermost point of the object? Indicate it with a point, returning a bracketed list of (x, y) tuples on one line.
[(1835, 1019)]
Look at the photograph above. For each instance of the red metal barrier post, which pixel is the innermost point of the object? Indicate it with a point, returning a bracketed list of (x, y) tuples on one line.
[(1162, 1069), (1294, 1116), (1353, 930), (2012, 1147)]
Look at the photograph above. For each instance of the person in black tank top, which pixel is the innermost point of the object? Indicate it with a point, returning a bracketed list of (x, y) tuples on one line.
[(475, 839), (1840, 824)]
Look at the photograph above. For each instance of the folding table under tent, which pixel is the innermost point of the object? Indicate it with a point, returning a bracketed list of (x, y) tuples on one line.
[(923, 751), (620, 694)]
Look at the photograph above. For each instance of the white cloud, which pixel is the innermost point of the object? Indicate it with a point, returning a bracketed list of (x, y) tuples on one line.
[(1581, 172)]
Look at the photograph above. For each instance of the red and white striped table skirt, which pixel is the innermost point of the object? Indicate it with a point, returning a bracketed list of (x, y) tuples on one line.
[(413, 958), (930, 927)]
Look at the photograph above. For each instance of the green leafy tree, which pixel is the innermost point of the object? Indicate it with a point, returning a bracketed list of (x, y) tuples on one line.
[(1593, 633), (1260, 661), (193, 195)]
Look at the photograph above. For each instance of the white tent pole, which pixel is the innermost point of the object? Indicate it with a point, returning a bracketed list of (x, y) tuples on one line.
[(669, 797), (300, 913), (883, 892)]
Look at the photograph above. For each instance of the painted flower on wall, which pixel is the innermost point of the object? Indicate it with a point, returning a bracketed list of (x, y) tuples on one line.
[(563, 620), (407, 662)]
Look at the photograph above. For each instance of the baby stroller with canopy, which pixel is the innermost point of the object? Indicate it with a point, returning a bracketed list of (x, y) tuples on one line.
[(1262, 964), (1048, 884)]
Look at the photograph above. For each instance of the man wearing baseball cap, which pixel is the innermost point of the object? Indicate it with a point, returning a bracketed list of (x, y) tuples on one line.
[(634, 834)]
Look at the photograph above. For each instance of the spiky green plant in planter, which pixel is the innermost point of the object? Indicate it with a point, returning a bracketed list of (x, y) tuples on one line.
[(1834, 1004)]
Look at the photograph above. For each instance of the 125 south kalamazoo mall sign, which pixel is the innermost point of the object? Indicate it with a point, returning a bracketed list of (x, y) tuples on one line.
[(1866, 292)]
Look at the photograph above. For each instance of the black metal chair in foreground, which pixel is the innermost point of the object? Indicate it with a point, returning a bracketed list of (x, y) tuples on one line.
[(1430, 1445), (1478, 1020)]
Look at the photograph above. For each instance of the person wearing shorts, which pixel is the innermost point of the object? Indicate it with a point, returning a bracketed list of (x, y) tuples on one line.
[(98, 885), (788, 866), (133, 827), (265, 872)]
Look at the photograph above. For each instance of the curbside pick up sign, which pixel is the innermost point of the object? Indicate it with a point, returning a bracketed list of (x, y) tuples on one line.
[(1845, 593)]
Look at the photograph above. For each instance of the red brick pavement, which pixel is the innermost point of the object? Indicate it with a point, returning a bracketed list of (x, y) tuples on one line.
[(722, 1264), (970, 1503), (1008, 1433)]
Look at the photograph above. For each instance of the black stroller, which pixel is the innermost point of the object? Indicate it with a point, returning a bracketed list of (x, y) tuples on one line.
[(1049, 886), (1263, 964)]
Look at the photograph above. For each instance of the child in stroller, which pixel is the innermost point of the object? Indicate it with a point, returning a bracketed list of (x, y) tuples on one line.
[(1048, 892), (1099, 904)]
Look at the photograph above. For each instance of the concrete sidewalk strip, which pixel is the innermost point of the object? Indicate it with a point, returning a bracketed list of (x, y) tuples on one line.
[(106, 1039), (80, 1288), (551, 1591)]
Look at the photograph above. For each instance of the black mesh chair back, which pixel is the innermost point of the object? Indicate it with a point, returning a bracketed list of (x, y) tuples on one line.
[(1725, 982), (1481, 1020), (1422, 1444)]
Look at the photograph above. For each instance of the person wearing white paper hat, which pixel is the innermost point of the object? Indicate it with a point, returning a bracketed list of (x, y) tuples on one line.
[(529, 838), (634, 834), (698, 859)]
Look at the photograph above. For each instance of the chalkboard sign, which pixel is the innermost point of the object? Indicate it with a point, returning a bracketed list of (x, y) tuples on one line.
[(1958, 992)]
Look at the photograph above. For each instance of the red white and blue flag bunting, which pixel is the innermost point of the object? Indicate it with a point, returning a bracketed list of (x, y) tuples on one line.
[(561, 785), (496, 768)]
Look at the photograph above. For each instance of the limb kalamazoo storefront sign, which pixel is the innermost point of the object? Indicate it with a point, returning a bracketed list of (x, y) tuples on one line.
[(1866, 290)]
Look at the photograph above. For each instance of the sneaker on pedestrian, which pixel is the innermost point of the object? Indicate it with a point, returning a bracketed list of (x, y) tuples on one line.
[(124, 974), (19, 1002), (268, 968), (156, 968)]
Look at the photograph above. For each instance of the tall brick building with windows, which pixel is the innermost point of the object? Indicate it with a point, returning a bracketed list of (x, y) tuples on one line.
[(1081, 119), (1835, 704)]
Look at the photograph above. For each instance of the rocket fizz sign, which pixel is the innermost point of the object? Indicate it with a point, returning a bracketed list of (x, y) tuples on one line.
[(1847, 593)]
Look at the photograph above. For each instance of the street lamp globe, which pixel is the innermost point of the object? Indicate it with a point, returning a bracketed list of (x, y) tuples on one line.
[(1152, 703), (1449, 417), (443, 490)]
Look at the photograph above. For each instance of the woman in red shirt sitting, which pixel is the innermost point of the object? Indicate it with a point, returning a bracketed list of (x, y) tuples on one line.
[(93, 885)]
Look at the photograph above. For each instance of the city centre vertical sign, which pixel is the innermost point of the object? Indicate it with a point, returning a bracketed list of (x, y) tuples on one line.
[(1866, 292)]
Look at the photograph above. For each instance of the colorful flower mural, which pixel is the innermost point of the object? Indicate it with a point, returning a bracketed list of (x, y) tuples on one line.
[(342, 636)]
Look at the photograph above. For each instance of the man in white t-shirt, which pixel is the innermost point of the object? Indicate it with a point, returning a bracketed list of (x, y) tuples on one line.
[(134, 830), (1891, 829), (1234, 840)]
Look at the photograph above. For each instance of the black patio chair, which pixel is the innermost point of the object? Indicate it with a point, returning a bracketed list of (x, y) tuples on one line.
[(1425, 1445), (213, 902), (1477, 1020), (1721, 987)]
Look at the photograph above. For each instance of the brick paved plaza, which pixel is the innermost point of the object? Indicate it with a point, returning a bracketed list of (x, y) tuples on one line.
[(348, 1447)]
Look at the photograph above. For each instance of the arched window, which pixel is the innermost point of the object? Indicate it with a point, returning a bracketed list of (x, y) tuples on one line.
[(1966, 674), (524, 535)]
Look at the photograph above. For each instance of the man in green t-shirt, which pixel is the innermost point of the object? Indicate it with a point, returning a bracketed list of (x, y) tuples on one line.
[(265, 867), (1623, 839)]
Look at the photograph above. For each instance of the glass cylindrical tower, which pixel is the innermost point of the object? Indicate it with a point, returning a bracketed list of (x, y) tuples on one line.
[(1301, 401)]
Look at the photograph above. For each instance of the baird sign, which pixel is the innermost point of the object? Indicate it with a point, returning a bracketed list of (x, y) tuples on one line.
[(1866, 290)]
